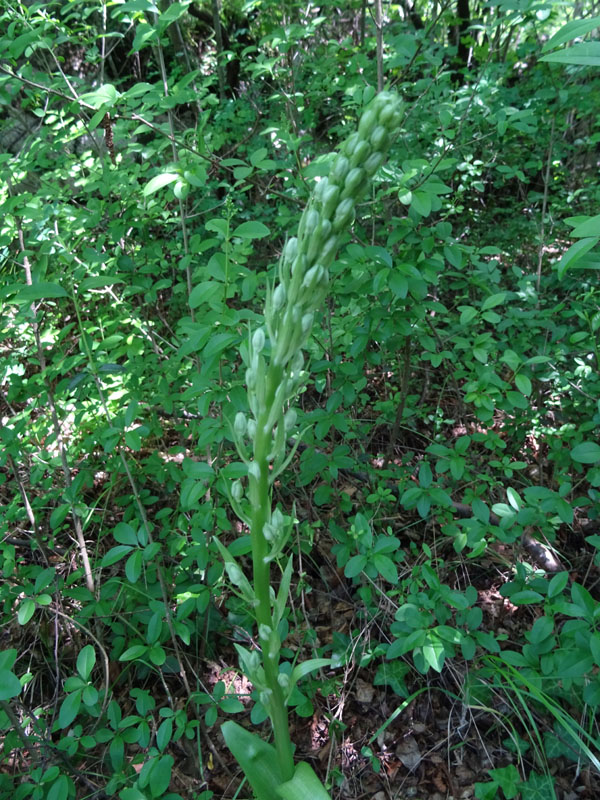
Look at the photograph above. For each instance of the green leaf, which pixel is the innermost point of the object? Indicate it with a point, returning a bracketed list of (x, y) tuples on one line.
[(125, 534), (305, 785), (40, 291), (105, 96), (493, 300), (69, 709), (523, 384), (572, 30), (173, 12), (525, 597), (582, 54), (386, 568), (164, 733), (133, 566), (586, 453), (574, 254), (26, 611), (257, 759), (160, 775), (10, 685), (159, 181), (136, 651), (513, 498), (557, 584), (251, 230), (355, 566), (59, 789), (85, 661), (115, 554)]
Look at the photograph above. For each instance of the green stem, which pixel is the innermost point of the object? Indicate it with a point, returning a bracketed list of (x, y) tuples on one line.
[(261, 492)]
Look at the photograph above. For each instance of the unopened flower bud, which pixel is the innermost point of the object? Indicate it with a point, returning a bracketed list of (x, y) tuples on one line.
[(343, 214), (368, 121), (351, 143), (234, 573), (312, 277), (361, 151), (237, 491), (289, 419), (297, 363), (330, 200), (328, 250), (290, 250), (278, 297), (307, 322), (258, 340), (373, 162), (283, 679), (389, 115), (379, 138), (353, 181), (269, 532), (309, 222), (265, 696), (251, 378), (240, 424), (254, 470), (264, 632), (251, 429), (339, 170)]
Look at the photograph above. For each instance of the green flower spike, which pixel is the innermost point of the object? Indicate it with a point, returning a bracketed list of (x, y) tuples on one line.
[(274, 376)]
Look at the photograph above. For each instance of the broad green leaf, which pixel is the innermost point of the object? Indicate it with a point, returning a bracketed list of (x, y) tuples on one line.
[(305, 785), (583, 54), (164, 733), (525, 597), (133, 566), (557, 584), (100, 281), (10, 685), (257, 758), (144, 34), (421, 202), (125, 534), (433, 651), (40, 291), (85, 661), (115, 554), (160, 775), (574, 254), (572, 30), (467, 314), (103, 96), (59, 789), (173, 12), (69, 709), (355, 566), (136, 651), (523, 384), (589, 227), (26, 610), (158, 181), (386, 568), (8, 658), (251, 230), (586, 453), (59, 515), (493, 300)]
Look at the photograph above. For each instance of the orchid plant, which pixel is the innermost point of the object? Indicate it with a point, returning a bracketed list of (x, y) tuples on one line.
[(274, 376)]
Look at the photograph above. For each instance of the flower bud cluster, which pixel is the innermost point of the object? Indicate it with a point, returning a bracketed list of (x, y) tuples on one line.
[(304, 265)]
